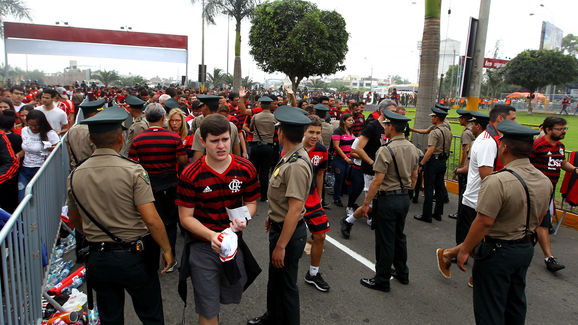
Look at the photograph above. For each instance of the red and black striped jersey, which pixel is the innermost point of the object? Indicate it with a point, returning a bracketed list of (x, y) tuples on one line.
[(548, 158), (210, 193), (358, 124), (318, 156), (157, 149)]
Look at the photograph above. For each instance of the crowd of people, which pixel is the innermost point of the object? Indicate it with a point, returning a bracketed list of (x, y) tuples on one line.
[(164, 159)]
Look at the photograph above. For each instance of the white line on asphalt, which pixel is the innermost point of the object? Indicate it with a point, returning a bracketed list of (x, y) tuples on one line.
[(351, 253)]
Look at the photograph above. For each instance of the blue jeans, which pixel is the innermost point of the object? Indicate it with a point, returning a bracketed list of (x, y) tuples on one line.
[(356, 177), (340, 170), (26, 174)]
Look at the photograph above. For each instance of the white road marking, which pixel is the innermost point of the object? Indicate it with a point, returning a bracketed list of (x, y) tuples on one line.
[(351, 253)]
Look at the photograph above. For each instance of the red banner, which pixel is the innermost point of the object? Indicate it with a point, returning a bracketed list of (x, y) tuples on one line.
[(494, 63)]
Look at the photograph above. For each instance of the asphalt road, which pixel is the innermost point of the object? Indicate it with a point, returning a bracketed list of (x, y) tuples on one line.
[(428, 299)]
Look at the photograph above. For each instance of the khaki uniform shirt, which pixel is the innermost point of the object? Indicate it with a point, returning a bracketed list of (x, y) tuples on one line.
[(502, 197), (265, 123), (197, 146), (407, 161), (78, 144), (326, 133), (436, 139), (196, 123), (137, 127), (110, 187), (446, 123), (467, 138), (291, 178)]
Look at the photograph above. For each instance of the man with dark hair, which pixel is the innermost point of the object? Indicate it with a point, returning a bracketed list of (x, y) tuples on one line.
[(17, 97), (110, 201), (78, 142), (160, 151), (262, 147), (395, 173), (511, 205), (208, 188), (139, 121), (358, 119), (288, 190), (499, 113), (210, 105), (433, 164), (549, 156), (56, 117)]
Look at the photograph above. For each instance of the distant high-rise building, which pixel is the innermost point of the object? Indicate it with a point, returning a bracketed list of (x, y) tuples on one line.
[(449, 54)]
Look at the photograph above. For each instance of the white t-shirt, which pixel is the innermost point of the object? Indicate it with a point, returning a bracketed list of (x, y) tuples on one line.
[(56, 117), (483, 153), (356, 161), (18, 107), (34, 152)]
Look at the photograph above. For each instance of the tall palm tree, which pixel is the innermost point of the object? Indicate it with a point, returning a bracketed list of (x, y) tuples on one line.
[(316, 83), (106, 77), (248, 83), (218, 78), (430, 51), (239, 10)]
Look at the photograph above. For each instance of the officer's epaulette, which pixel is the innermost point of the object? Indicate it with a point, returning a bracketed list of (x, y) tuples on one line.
[(293, 157), (126, 158)]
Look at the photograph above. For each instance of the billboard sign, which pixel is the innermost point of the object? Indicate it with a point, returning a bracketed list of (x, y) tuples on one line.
[(494, 63), (551, 38)]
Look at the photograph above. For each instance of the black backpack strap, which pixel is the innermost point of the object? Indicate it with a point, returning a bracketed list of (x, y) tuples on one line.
[(98, 224), (528, 212), (395, 165)]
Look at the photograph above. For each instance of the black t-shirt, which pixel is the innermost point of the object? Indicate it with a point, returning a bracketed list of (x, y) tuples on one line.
[(376, 138), (15, 141)]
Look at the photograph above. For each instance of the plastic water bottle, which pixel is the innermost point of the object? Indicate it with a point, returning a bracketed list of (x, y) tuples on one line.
[(93, 318)]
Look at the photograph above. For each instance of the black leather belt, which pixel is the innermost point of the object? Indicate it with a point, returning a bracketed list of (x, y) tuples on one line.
[(110, 246), (439, 156), (394, 192), (522, 240), (278, 226)]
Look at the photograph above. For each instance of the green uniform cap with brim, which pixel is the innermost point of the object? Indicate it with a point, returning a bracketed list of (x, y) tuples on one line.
[(513, 130), (209, 100), (321, 107), (265, 99), (134, 101), (477, 116), (442, 107), (171, 103), (89, 107), (107, 120), (438, 112), (392, 117), (464, 113), (291, 116)]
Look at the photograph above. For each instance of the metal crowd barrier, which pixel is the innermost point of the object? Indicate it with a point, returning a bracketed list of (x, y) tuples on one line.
[(27, 241)]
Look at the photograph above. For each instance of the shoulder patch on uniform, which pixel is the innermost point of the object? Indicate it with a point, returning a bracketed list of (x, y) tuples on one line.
[(145, 176), (126, 158)]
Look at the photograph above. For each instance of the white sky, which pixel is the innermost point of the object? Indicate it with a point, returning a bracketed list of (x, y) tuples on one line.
[(383, 33)]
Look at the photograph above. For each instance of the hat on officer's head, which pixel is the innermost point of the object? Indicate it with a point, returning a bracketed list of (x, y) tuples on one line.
[(107, 120), (293, 116), (135, 102), (265, 99), (391, 117), (171, 103), (478, 117), (209, 100), (438, 112), (321, 107), (513, 130), (442, 107), (89, 107), (464, 113)]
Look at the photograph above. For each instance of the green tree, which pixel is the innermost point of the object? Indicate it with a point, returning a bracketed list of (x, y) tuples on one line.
[(570, 44), (106, 77), (238, 10), (298, 39), (495, 80), (131, 81), (399, 80), (248, 83), (533, 69), (430, 50), (316, 84), (218, 78), (450, 80)]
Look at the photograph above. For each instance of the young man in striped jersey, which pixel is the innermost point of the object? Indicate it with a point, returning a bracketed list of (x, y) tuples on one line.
[(206, 188), (548, 156), (315, 216)]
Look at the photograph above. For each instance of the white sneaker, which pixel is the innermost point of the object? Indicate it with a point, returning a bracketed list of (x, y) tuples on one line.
[(369, 222), (349, 211)]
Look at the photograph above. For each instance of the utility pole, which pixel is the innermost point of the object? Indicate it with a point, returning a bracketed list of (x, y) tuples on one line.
[(479, 53)]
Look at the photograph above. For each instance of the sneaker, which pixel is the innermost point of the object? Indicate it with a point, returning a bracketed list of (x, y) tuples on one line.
[(443, 266), (552, 264), (317, 281), (369, 221), (453, 215), (346, 228), (471, 282), (349, 211)]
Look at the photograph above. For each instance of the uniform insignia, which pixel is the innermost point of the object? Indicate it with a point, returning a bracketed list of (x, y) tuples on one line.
[(145, 177), (276, 172), (235, 185)]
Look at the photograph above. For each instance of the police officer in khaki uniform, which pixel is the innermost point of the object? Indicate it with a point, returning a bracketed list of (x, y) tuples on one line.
[(111, 202), (261, 147), (78, 142), (511, 204), (395, 169), (433, 164), (139, 123), (288, 189), (466, 140)]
